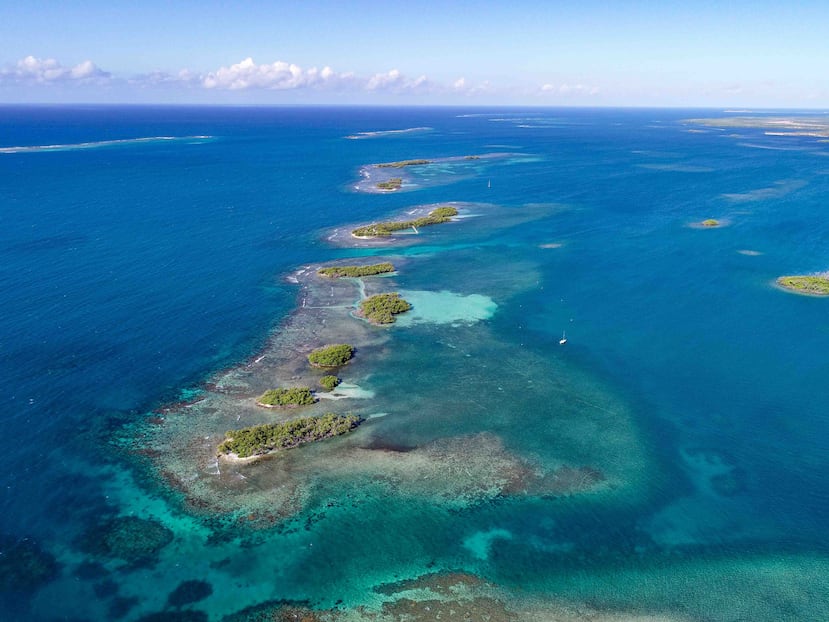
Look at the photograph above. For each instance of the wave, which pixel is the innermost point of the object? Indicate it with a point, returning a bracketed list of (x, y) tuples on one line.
[(100, 143)]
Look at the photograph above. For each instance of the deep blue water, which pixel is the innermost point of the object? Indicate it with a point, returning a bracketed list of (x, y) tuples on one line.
[(130, 271)]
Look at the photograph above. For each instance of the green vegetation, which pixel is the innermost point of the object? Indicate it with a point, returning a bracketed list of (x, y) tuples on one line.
[(329, 382), (394, 183), (332, 355), (815, 285), (381, 308), (336, 272), (436, 216), (710, 222), (295, 396), (261, 439), (403, 163)]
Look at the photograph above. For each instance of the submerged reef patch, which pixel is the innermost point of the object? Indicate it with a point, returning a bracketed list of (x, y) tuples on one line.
[(129, 538), (24, 565), (188, 592), (450, 595)]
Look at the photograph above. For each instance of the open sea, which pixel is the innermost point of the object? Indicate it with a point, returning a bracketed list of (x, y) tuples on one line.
[(669, 462)]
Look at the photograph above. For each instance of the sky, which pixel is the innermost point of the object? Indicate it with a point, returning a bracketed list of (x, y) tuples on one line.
[(760, 54)]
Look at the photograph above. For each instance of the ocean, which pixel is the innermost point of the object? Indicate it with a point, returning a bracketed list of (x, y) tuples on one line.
[(666, 463)]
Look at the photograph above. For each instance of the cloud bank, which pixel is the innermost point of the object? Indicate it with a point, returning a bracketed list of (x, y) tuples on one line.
[(569, 89), (249, 76), (32, 70), (278, 75)]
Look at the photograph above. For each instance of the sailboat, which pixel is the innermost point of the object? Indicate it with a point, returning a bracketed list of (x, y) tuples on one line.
[(563, 339), (489, 183)]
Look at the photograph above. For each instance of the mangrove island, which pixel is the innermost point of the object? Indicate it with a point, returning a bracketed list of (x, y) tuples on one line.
[(710, 222), (295, 396), (381, 229), (381, 308), (403, 163), (336, 272), (332, 355), (329, 382), (261, 439), (395, 183), (814, 285)]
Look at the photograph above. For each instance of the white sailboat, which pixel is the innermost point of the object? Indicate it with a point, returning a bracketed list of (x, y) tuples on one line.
[(563, 339)]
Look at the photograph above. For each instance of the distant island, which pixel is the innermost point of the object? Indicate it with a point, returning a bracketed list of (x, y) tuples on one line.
[(295, 396), (795, 125), (403, 163), (710, 222), (336, 272), (382, 229), (262, 439), (814, 285), (418, 162), (381, 308), (395, 183), (332, 355)]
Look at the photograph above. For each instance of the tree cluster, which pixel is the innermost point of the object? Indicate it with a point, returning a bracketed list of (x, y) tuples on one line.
[(381, 308), (336, 272), (436, 216), (332, 355), (261, 439), (403, 163), (295, 396), (395, 183), (330, 382)]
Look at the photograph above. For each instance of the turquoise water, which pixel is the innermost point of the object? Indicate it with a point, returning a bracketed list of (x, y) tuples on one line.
[(668, 460)]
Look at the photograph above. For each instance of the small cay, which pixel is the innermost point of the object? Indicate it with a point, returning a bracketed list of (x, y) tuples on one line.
[(395, 183), (331, 355), (380, 229), (336, 272), (814, 285), (381, 308), (403, 163), (295, 396), (261, 439)]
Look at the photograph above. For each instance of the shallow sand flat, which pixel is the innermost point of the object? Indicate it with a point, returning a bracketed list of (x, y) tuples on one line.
[(779, 189), (387, 133), (446, 307)]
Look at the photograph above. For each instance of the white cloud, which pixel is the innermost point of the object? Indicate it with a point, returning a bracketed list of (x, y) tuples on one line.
[(463, 87), (249, 76), (32, 70), (570, 89), (278, 75), (185, 77), (395, 82)]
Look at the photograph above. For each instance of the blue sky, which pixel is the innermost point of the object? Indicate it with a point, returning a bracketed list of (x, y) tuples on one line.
[(568, 53)]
